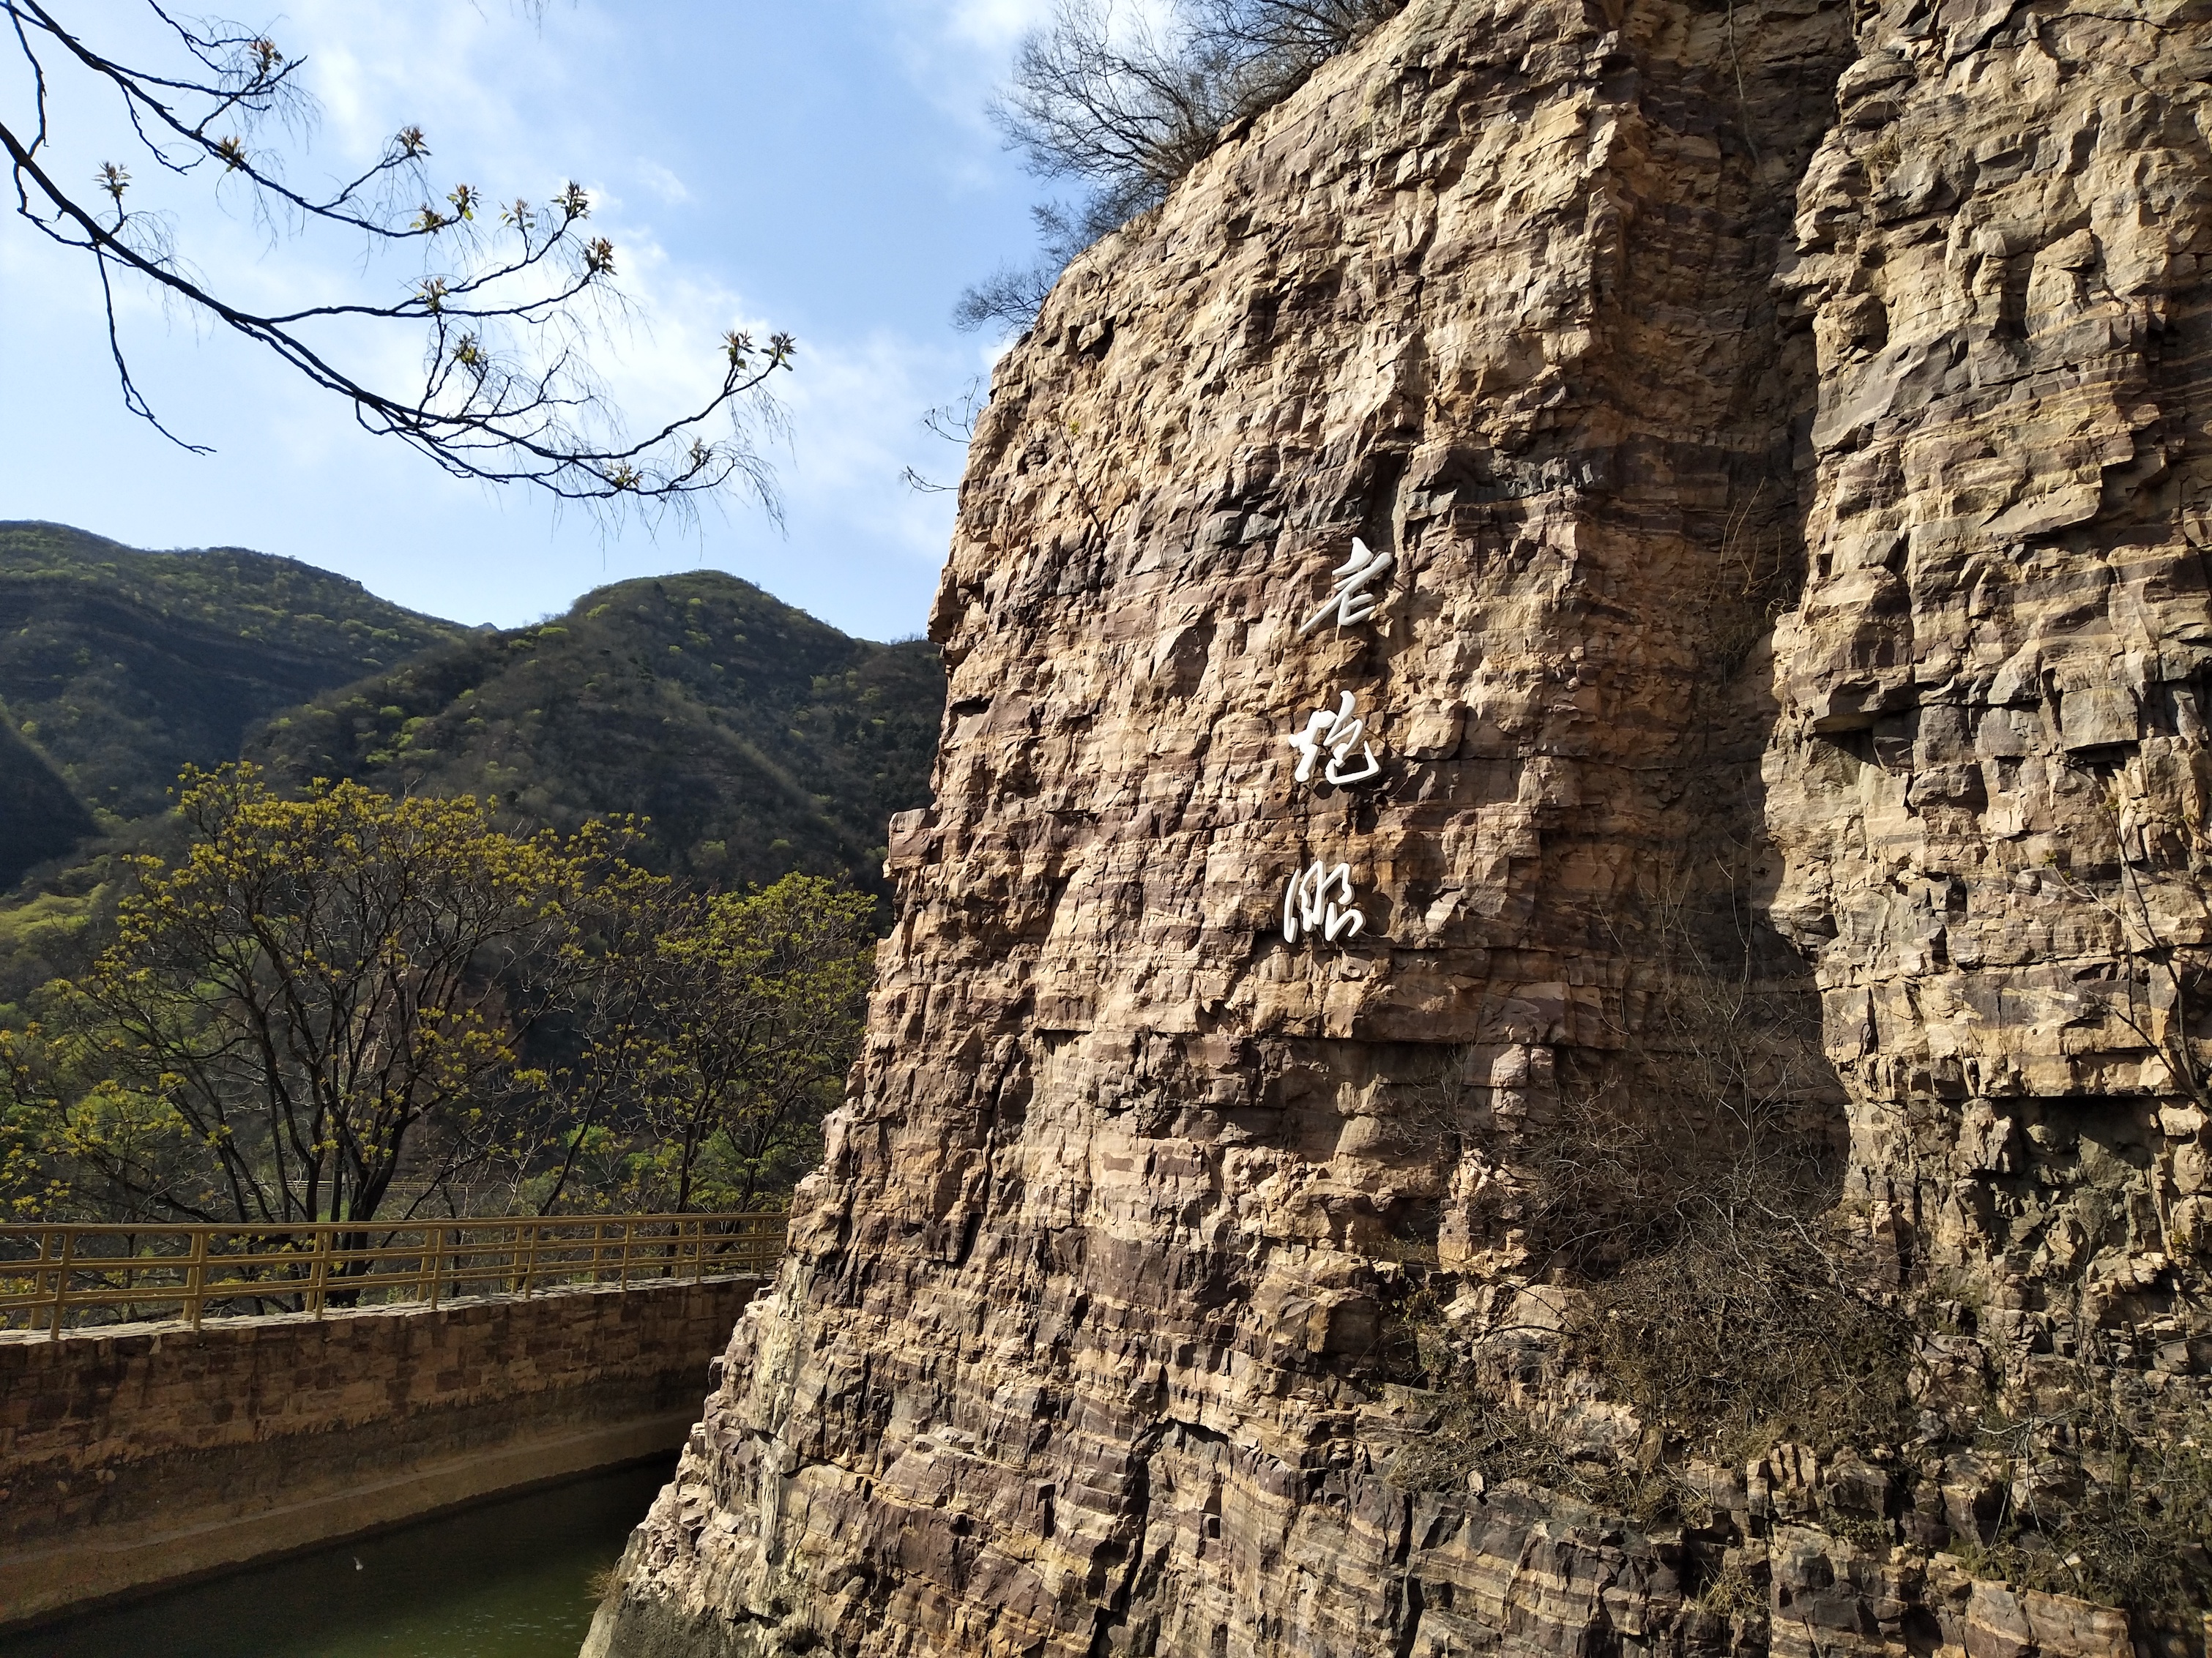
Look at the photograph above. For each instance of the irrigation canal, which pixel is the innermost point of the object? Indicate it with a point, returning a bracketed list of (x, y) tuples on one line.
[(510, 1579)]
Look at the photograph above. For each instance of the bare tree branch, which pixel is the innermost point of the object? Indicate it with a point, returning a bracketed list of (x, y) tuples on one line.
[(507, 393), (1103, 97)]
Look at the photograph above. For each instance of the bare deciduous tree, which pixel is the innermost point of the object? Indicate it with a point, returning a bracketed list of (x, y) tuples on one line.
[(1122, 106)]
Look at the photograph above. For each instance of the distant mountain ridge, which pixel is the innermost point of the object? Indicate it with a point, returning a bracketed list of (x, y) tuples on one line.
[(121, 666), (756, 739)]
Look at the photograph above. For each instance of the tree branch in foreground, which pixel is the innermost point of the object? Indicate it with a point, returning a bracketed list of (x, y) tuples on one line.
[(509, 297)]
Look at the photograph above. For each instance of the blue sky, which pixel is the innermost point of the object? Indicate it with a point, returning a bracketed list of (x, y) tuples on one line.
[(823, 169)]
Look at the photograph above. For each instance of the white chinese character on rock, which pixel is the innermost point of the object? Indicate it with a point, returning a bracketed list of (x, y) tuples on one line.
[(1335, 732), (1308, 906), (1350, 602)]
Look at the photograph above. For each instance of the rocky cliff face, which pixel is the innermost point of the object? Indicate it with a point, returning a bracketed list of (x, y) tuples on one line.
[(1988, 777), (1622, 331)]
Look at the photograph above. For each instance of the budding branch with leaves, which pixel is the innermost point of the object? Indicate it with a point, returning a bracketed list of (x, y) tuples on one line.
[(508, 299)]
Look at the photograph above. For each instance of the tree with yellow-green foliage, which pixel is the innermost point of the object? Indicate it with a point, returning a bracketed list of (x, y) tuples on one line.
[(325, 999), (735, 1023), (350, 1007)]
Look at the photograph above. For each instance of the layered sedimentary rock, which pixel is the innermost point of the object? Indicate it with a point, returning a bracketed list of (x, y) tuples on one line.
[(1607, 327), (1989, 775)]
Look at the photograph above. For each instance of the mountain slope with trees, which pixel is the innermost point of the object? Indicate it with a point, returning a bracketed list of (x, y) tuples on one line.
[(125, 666), (757, 741), (40, 817)]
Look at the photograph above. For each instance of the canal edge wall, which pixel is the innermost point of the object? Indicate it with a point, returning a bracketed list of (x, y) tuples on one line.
[(141, 1455)]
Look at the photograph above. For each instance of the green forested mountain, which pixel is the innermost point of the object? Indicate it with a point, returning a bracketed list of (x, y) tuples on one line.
[(122, 666), (758, 740), (40, 817)]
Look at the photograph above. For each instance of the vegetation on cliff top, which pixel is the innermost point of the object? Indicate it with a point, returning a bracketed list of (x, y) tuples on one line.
[(1122, 106)]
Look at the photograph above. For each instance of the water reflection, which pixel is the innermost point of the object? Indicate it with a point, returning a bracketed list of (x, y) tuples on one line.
[(511, 1580)]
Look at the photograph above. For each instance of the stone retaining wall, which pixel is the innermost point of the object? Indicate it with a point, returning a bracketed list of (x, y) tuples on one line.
[(148, 1454)]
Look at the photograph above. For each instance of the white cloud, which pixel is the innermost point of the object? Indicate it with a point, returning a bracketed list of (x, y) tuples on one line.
[(455, 69), (663, 184), (956, 54), (851, 406), (856, 426), (996, 25)]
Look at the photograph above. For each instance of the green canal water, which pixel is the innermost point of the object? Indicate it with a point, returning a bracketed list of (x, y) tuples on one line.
[(509, 1580)]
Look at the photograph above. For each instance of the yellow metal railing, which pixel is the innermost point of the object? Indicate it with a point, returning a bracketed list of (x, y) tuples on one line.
[(61, 1276)]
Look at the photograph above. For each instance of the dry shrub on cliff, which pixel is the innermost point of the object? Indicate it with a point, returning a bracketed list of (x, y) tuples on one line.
[(1719, 1113), (2153, 893), (1124, 102), (1682, 1208), (2109, 1497), (1757, 575), (1727, 1314), (1684, 1199), (1481, 1436), (1691, 1190), (1748, 1333)]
